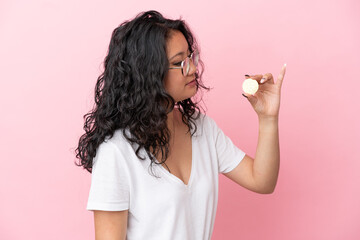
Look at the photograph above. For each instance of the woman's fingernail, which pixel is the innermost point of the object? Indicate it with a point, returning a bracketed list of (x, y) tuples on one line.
[(244, 95), (262, 80)]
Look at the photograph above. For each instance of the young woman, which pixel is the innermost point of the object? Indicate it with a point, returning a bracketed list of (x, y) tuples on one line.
[(153, 155)]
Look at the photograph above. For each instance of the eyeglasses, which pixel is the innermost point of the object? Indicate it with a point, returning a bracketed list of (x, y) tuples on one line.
[(185, 64)]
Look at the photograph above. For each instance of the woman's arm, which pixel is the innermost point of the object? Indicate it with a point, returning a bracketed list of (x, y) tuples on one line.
[(260, 174), (110, 225), (266, 103), (267, 157)]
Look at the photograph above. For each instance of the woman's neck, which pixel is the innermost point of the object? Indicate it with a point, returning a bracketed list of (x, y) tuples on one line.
[(172, 119)]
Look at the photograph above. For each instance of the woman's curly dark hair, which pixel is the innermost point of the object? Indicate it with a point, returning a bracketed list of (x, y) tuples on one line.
[(130, 93)]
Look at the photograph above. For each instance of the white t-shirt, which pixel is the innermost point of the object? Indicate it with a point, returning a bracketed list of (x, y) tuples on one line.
[(163, 208)]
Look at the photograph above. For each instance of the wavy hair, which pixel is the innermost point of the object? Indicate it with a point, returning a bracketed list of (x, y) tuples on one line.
[(130, 93)]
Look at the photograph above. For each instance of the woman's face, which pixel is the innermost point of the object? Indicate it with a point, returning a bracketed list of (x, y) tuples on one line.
[(176, 84)]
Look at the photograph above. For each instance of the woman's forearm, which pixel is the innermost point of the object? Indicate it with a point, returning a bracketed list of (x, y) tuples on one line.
[(267, 157)]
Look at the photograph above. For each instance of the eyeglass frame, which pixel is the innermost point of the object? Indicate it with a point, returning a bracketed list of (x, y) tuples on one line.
[(183, 61)]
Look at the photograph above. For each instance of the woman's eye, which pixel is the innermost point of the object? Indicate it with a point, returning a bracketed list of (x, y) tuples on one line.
[(177, 64)]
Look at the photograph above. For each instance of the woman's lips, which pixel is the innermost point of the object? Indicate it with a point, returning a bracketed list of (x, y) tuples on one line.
[(193, 82)]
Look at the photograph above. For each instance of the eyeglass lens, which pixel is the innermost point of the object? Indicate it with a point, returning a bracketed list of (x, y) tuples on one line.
[(186, 65)]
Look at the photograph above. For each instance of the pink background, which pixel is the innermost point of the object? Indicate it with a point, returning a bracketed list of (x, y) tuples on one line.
[(51, 54)]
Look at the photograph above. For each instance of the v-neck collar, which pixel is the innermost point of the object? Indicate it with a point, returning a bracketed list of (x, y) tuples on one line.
[(192, 172)]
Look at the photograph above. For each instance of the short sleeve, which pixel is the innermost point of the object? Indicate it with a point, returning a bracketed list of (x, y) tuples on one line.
[(228, 154), (110, 188)]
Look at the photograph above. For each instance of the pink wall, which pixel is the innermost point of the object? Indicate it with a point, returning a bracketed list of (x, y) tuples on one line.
[(51, 53)]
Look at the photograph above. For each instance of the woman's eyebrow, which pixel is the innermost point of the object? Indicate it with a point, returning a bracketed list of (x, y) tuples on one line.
[(180, 53)]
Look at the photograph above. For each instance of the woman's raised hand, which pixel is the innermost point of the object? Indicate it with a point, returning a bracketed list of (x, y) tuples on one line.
[(266, 101)]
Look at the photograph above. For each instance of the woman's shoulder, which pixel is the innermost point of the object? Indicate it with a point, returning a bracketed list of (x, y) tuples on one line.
[(118, 140), (205, 119), (204, 124)]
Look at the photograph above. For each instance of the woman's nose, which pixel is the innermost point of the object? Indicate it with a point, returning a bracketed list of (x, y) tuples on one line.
[(192, 68)]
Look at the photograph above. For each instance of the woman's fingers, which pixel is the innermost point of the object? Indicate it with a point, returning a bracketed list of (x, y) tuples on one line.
[(281, 76), (256, 77), (268, 77)]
